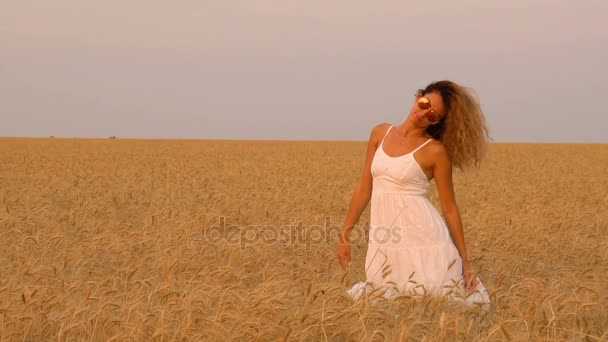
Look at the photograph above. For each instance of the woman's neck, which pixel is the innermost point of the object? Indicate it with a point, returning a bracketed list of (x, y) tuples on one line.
[(409, 130)]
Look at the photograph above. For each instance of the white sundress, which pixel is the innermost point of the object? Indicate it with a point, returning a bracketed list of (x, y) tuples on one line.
[(410, 250)]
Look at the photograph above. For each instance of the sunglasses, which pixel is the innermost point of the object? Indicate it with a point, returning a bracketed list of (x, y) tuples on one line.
[(424, 103)]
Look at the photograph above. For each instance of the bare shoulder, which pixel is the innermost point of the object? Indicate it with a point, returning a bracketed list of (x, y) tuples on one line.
[(438, 151), (379, 131)]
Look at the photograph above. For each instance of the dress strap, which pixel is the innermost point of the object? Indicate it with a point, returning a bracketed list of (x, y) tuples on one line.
[(421, 146), (388, 130)]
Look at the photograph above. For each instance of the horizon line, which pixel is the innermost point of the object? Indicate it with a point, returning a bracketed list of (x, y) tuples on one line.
[(269, 140)]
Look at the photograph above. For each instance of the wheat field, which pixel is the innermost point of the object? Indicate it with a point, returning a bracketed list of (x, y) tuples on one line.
[(163, 240)]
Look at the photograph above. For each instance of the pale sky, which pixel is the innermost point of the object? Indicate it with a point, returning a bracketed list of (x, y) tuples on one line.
[(287, 69)]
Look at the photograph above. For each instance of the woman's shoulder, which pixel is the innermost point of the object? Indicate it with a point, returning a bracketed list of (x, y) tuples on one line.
[(380, 129), (437, 149)]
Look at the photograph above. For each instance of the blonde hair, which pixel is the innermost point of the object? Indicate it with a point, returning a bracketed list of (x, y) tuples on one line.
[(463, 130)]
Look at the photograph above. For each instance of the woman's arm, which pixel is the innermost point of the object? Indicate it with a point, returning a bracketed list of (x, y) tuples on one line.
[(443, 178), (442, 171), (363, 191), (361, 195)]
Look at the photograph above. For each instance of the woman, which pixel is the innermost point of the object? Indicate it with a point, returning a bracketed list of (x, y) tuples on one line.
[(411, 249)]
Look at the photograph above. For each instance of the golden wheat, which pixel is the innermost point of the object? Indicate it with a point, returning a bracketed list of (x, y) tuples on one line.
[(140, 240)]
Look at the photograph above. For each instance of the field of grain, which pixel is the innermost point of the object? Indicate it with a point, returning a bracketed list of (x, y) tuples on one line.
[(144, 240)]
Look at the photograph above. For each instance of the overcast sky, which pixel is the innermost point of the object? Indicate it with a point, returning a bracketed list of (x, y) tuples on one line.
[(298, 69)]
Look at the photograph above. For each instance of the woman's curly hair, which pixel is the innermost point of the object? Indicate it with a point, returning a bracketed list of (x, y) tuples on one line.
[(463, 129)]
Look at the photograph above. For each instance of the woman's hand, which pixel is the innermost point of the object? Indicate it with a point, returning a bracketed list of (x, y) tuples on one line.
[(344, 254), (469, 276)]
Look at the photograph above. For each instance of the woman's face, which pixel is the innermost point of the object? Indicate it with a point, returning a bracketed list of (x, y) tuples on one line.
[(428, 109)]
